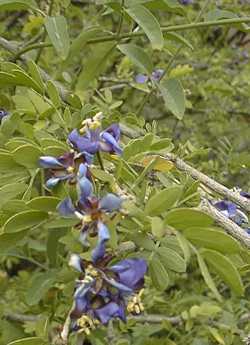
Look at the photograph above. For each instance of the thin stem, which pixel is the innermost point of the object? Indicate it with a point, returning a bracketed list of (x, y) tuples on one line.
[(42, 182), (44, 34), (174, 28), (32, 47), (121, 20), (99, 157), (26, 259), (116, 37)]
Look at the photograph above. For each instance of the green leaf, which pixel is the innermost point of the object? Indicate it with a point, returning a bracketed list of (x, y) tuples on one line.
[(184, 218), (95, 65), (158, 274), (207, 277), (174, 97), (23, 79), (35, 73), (81, 40), (53, 94), (219, 14), (137, 146), (57, 29), (39, 285), (178, 38), (53, 244), (171, 259), (7, 163), (24, 220), (224, 267), (10, 191), (163, 200), (44, 203), (157, 227), (17, 5), (29, 341), (27, 155), (149, 24), (138, 56), (212, 239), (10, 240)]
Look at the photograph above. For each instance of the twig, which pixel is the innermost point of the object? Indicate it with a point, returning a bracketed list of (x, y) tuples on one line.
[(231, 228), (174, 320), (243, 202), (21, 317), (174, 28)]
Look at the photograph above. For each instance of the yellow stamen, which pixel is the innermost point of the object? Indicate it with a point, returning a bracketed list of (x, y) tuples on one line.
[(70, 169), (86, 219), (135, 305)]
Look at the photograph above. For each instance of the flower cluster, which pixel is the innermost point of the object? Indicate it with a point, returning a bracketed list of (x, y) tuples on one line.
[(155, 76), (232, 211), (104, 291)]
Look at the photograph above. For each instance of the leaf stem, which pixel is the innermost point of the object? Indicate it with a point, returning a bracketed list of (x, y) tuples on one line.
[(170, 28), (99, 157), (164, 29)]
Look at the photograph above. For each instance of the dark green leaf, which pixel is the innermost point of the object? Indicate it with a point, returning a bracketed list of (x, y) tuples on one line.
[(9, 241), (39, 285)]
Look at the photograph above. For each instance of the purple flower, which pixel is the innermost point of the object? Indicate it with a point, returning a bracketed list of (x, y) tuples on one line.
[(231, 211), (3, 113), (65, 167), (90, 210), (141, 78), (95, 140), (186, 2), (155, 76), (245, 194), (106, 292)]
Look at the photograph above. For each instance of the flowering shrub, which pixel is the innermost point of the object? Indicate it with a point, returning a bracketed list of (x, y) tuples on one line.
[(120, 222)]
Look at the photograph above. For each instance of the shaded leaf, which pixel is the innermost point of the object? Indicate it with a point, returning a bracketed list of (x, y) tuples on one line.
[(174, 97), (57, 29), (225, 268), (138, 56), (24, 220), (147, 21)]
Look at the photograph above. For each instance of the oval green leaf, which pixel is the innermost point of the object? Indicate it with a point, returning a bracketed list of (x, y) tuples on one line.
[(138, 56), (149, 24), (224, 267), (184, 218), (171, 259), (158, 274), (27, 155), (57, 29), (212, 239), (44, 203), (163, 200), (24, 220), (174, 97)]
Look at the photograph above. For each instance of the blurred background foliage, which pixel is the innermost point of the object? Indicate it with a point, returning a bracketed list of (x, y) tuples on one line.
[(213, 67)]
